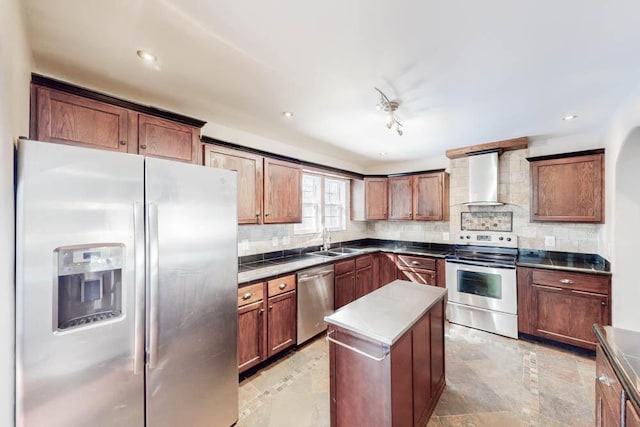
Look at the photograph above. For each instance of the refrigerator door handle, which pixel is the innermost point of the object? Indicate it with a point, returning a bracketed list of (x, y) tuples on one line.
[(152, 275), (139, 285)]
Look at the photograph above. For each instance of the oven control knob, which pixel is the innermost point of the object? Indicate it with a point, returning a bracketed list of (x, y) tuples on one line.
[(468, 237), (461, 237), (508, 239), (500, 238)]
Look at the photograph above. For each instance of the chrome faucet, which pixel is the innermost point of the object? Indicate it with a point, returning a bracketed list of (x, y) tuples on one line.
[(326, 239)]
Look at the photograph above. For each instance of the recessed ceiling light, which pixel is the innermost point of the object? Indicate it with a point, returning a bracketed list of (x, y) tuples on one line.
[(147, 56), (570, 117), (382, 153), (287, 114)]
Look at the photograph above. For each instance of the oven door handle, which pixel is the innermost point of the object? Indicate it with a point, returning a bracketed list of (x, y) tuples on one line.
[(481, 264)]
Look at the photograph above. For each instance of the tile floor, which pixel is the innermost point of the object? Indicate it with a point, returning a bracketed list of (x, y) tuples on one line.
[(491, 381)]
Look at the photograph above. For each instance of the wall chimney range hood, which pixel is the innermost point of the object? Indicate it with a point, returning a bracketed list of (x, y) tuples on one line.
[(483, 179)]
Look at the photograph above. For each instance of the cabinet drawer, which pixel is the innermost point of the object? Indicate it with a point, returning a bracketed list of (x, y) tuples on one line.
[(416, 262), (577, 281), (281, 285), (610, 385), (364, 261), (251, 293), (343, 267)]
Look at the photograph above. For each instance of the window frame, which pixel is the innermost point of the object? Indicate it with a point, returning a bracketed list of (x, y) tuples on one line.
[(321, 207)]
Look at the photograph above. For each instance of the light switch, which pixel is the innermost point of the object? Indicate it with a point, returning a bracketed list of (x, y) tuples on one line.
[(274, 241), (445, 236)]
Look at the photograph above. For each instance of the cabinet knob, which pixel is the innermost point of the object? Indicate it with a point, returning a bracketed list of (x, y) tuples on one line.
[(247, 295), (267, 214), (261, 310), (270, 307), (566, 281), (282, 285), (605, 380), (603, 303), (415, 262), (143, 146), (123, 142)]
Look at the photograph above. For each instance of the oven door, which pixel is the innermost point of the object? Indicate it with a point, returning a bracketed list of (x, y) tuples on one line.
[(483, 286)]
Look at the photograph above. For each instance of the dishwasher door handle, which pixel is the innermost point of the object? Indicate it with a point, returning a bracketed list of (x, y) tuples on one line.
[(313, 276)]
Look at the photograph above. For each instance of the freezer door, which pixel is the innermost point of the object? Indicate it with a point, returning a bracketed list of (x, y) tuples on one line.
[(192, 371), (79, 224)]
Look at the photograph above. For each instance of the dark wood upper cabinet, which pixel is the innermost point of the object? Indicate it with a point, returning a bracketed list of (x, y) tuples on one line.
[(282, 192), (375, 198), (400, 197), (249, 169), (568, 189), (163, 138), (100, 121), (431, 197), (70, 119)]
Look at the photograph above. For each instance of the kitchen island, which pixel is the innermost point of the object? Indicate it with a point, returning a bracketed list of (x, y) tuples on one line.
[(386, 356)]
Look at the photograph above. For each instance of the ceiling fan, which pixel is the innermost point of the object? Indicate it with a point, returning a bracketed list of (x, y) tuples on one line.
[(389, 107)]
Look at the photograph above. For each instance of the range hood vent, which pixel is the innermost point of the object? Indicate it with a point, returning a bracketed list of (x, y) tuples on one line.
[(483, 179)]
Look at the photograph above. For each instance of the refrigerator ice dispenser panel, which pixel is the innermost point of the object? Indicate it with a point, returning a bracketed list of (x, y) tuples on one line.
[(89, 285)]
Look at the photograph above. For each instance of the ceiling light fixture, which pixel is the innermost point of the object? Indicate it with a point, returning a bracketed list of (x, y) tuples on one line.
[(570, 117), (287, 114), (390, 108), (146, 56), (382, 153)]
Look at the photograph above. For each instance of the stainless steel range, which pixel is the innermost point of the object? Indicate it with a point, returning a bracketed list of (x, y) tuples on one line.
[(481, 279)]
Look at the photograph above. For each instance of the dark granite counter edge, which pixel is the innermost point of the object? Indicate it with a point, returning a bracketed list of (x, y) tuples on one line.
[(563, 268), (632, 392)]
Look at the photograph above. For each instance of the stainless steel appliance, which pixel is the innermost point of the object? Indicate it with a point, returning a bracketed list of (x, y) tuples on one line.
[(481, 280), (315, 301), (126, 288)]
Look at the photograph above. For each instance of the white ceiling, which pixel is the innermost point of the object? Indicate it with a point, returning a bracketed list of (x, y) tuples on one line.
[(466, 72)]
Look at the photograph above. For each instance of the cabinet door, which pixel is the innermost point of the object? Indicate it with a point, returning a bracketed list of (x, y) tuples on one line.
[(606, 416), (441, 273), (282, 192), (400, 197), (633, 419), (375, 198), (387, 269), (425, 277), (166, 139), (568, 189), (344, 289), (249, 169), (251, 335), (364, 282), (567, 316), (70, 119), (431, 197), (282, 322), (437, 347), (421, 367)]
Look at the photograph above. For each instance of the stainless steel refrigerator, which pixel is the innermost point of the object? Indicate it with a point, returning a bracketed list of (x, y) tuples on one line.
[(126, 288)]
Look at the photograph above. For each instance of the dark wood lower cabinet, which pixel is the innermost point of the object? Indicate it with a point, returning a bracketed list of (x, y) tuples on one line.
[(364, 282), (562, 306), (402, 388), (281, 322), (633, 419), (344, 289), (251, 335), (425, 277), (387, 269), (441, 273)]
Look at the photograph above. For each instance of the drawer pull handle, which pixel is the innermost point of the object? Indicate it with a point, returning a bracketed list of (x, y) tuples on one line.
[(247, 296), (357, 350), (282, 285), (143, 146), (605, 380), (415, 262), (123, 142), (566, 281)]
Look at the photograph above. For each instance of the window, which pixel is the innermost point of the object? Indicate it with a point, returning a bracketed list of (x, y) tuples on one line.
[(324, 203)]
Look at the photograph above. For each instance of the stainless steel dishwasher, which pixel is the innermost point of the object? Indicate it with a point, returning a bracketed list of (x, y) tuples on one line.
[(315, 300)]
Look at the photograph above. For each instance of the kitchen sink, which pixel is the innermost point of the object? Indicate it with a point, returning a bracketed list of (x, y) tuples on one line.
[(344, 251), (328, 254)]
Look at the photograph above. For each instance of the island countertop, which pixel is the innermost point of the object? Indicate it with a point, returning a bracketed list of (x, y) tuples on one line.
[(387, 313)]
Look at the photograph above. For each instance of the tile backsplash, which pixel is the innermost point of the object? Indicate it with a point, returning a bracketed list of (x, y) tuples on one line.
[(513, 190), (487, 221)]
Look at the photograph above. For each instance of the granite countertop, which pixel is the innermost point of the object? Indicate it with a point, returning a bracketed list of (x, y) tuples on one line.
[(622, 347), (580, 263), (278, 266), (385, 314)]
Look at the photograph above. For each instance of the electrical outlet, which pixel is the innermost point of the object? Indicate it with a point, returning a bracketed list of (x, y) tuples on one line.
[(445, 236), (274, 241), (550, 241), (244, 244)]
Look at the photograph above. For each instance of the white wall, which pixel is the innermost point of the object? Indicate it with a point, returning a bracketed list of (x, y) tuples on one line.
[(15, 69), (621, 233)]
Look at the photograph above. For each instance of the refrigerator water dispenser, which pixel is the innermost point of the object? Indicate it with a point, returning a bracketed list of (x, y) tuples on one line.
[(89, 285)]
